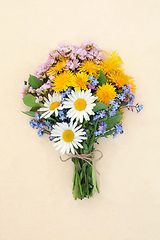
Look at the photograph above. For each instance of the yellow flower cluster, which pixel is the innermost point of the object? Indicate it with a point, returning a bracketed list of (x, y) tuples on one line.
[(67, 79), (78, 79), (114, 73)]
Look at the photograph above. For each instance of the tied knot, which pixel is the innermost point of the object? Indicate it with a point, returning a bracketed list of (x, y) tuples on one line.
[(86, 157)]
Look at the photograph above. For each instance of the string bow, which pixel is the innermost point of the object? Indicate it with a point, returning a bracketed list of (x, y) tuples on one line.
[(86, 157)]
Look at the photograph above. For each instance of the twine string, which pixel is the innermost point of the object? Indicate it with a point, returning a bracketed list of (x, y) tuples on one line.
[(85, 157)]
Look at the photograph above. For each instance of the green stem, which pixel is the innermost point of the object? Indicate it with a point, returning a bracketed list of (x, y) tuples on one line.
[(84, 177)]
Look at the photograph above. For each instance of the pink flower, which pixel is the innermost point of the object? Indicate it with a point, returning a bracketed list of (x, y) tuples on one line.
[(91, 87), (31, 90), (38, 99), (72, 64), (25, 90), (131, 108), (130, 86), (82, 53)]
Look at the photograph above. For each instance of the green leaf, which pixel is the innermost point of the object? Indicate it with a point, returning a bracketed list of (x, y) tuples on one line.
[(100, 106), (34, 109), (35, 82), (51, 119), (30, 113), (111, 122), (107, 133), (83, 170), (85, 146), (105, 119), (29, 100), (102, 78)]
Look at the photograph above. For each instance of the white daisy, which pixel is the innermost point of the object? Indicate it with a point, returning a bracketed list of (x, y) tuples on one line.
[(51, 105), (81, 104), (67, 137)]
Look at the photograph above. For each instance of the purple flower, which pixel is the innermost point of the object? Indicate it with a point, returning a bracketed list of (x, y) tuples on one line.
[(81, 53)]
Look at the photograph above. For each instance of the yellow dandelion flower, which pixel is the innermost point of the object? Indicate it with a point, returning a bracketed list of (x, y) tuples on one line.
[(133, 86), (120, 79), (111, 64), (121, 110), (105, 93), (58, 67), (80, 81), (89, 67), (62, 81)]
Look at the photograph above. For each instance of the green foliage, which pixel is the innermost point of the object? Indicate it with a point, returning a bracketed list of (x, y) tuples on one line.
[(29, 100), (102, 78), (30, 113), (100, 106), (35, 82), (84, 181), (111, 122), (51, 119)]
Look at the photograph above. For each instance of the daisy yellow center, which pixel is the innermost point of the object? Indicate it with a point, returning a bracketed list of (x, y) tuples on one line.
[(68, 135), (80, 104), (54, 105)]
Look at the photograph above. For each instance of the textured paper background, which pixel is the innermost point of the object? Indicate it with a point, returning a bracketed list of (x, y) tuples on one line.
[(35, 186)]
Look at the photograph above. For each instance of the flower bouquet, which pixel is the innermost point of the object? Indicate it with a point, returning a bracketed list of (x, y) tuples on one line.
[(76, 97)]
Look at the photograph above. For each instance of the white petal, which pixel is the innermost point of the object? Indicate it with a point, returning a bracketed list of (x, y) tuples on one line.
[(85, 115), (43, 109), (50, 98), (49, 114), (71, 98), (44, 114), (81, 117), (72, 148), (56, 112)]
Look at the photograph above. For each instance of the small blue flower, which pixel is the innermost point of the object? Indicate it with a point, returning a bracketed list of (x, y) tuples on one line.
[(51, 138), (40, 126), (112, 113), (91, 78), (131, 96), (60, 112), (119, 128), (62, 117), (124, 87), (115, 106), (63, 95), (47, 123), (118, 95), (96, 117), (129, 104), (122, 97), (37, 116), (102, 128), (40, 133), (139, 108), (115, 134), (68, 91), (33, 123), (112, 102), (97, 133), (95, 82), (101, 114)]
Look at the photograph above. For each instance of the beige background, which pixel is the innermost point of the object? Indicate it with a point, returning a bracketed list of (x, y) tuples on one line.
[(35, 186)]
